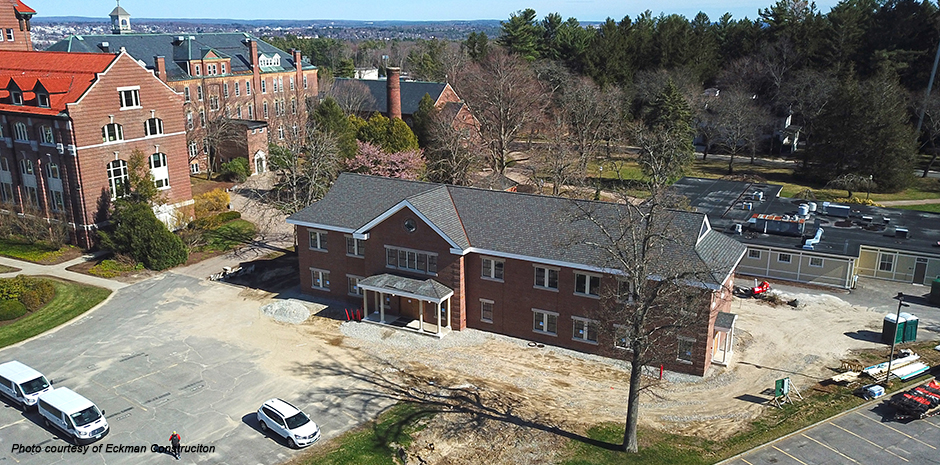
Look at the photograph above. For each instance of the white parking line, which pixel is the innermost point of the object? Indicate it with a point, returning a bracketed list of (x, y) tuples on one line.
[(897, 430), (830, 448), (788, 455), (870, 442)]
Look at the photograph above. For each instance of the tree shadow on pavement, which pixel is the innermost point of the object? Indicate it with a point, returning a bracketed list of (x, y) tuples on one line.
[(375, 382)]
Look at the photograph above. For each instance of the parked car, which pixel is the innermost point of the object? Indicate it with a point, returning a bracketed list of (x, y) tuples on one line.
[(288, 422)]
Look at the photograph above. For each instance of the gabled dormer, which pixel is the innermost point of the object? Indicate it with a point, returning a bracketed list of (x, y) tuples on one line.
[(16, 94), (41, 95), (214, 63)]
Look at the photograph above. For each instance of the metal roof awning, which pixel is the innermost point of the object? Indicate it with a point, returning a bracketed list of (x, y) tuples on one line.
[(429, 289), (725, 321)]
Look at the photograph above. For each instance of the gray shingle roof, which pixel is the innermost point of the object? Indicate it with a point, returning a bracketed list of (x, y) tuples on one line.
[(427, 288), (144, 47), (411, 94), (725, 320), (542, 228)]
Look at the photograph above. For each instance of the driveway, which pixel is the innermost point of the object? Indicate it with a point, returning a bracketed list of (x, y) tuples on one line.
[(179, 353)]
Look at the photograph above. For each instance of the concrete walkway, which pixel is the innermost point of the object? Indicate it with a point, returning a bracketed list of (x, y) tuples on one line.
[(60, 271)]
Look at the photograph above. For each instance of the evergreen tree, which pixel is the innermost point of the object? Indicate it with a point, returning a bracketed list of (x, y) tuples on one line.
[(422, 120), (140, 235), (520, 35), (329, 118)]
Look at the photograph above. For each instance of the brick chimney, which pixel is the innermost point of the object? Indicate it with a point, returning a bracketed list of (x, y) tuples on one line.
[(159, 67), (299, 70), (393, 78)]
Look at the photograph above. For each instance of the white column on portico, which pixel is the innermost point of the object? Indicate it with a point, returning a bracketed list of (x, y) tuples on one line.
[(382, 308), (365, 303), (448, 312), (437, 310), (421, 315)]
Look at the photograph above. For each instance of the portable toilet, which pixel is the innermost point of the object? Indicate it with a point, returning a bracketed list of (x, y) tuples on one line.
[(935, 291), (910, 327), (892, 328)]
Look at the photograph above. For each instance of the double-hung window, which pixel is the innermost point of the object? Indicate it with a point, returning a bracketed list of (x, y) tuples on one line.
[(587, 284), (413, 260), (584, 330), (320, 279), (130, 97), (112, 132), (493, 268), (355, 247), (544, 322), (352, 285), (318, 240), (486, 310), (546, 278), (886, 262), (685, 347), (153, 127)]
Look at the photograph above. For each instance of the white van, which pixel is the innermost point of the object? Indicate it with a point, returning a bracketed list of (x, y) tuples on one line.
[(73, 415), (22, 384)]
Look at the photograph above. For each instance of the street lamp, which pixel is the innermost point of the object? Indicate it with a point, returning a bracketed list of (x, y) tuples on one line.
[(868, 194), (894, 337)]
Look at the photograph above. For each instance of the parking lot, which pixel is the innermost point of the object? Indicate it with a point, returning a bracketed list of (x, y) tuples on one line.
[(179, 353), (864, 436)]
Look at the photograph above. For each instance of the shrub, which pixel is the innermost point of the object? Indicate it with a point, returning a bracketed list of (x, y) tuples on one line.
[(33, 293), (139, 234), (111, 268), (31, 300), (11, 310), (225, 217), (213, 201), (235, 170)]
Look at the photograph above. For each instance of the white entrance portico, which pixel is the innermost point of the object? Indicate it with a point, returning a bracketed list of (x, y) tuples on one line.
[(413, 296)]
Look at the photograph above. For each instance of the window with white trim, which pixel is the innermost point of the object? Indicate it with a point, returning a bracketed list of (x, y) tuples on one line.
[(186, 96), (292, 83), (587, 284), (264, 106), (198, 70), (223, 68), (159, 170), (238, 91), (213, 103), (10, 34), (42, 99), (546, 278), (189, 120), (202, 117), (584, 330), (273, 83), (264, 86), (493, 268), (130, 98), (753, 254), (352, 285), (319, 279), (886, 262), (411, 260), (199, 94), (238, 112), (624, 290), (193, 149), (16, 97), (816, 262), (280, 132), (486, 310), (20, 132), (194, 167), (623, 337), (153, 127), (784, 258), (46, 136), (117, 178), (355, 247), (225, 89), (685, 346), (317, 240), (112, 132), (251, 111), (544, 322), (247, 87), (211, 69), (305, 81)]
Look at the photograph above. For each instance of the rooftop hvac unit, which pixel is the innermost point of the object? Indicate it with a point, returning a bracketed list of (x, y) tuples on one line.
[(900, 232)]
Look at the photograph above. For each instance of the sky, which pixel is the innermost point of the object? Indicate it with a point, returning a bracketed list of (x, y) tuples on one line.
[(418, 10)]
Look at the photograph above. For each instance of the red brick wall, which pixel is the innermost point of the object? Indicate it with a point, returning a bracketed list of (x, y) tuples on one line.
[(447, 96), (94, 111), (21, 36)]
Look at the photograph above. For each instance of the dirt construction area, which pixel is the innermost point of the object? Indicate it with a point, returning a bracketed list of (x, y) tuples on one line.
[(506, 402)]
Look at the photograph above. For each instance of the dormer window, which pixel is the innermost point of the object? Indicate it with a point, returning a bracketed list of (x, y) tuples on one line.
[(273, 60), (211, 70), (198, 71), (43, 100), (16, 97)]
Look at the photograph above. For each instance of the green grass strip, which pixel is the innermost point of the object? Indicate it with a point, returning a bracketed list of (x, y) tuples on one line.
[(71, 300)]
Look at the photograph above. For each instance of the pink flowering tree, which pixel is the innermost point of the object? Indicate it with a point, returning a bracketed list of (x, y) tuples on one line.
[(371, 159)]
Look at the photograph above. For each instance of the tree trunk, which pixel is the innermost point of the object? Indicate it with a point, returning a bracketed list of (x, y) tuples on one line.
[(933, 148), (731, 164), (705, 152), (633, 407)]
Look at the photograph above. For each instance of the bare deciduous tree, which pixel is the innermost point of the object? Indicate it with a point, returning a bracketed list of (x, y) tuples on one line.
[(506, 99), (453, 152), (352, 96), (739, 118)]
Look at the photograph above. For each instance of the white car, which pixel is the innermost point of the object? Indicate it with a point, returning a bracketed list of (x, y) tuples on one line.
[(288, 422)]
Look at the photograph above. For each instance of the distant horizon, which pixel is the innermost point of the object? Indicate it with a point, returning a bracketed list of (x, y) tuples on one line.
[(589, 11)]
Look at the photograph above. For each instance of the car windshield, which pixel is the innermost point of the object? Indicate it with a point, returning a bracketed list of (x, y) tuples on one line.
[(86, 416), (35, 385), (297, 421)]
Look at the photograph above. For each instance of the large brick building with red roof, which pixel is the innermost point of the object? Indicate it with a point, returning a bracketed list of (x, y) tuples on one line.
[(69, 123), (14, 25)]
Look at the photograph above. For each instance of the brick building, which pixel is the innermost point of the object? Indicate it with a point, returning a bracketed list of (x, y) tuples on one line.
[(68, 125), (14, 25), (440, 258), (234, 86)]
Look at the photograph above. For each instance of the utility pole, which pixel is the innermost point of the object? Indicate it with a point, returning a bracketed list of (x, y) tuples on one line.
[(894, 337)]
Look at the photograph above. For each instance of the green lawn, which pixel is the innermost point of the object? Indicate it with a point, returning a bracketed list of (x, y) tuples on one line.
[(231, 235), (930, 207), (71, 300), (32, 252), (370, 444)]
